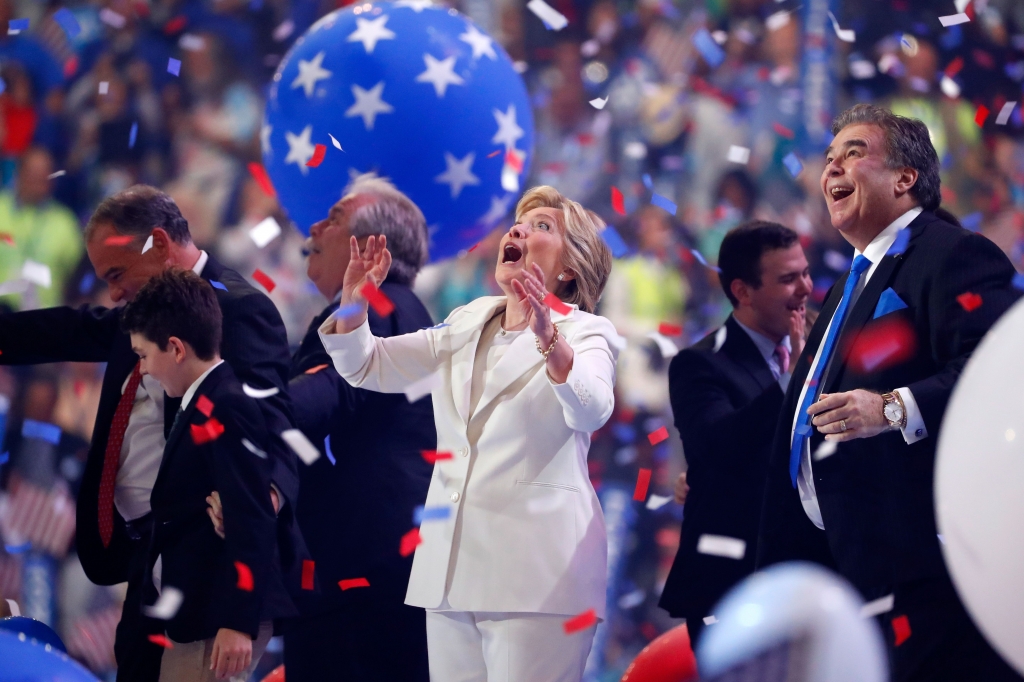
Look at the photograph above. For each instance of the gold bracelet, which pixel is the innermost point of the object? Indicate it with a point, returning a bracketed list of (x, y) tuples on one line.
[(554, 340)]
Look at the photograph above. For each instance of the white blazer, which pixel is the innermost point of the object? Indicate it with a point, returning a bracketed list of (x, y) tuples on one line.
[(526, 533)]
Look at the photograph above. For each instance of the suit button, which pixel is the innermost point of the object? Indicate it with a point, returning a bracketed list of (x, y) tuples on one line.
[(919, 433), (464, 452), (456, 497)]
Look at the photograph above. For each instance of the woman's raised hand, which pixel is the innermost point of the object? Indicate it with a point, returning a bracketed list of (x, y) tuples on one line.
[(370, 265), (532, 290)]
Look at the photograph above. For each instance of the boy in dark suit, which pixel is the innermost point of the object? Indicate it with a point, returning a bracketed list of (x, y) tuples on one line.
[(232, 588)]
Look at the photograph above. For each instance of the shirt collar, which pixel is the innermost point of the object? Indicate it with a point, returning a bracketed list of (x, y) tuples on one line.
[(201, 263), (185, 399), (880, 245), (764, 345)]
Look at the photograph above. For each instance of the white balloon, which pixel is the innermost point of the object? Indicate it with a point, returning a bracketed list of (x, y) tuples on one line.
[(979, 480)]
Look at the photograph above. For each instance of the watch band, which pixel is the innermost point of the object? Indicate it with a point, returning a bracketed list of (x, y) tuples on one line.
[(895, 397)]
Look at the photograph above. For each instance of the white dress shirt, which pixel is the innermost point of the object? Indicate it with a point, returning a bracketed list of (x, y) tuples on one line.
[(191, 391), (767, 349), (143, 446), (915, 429)]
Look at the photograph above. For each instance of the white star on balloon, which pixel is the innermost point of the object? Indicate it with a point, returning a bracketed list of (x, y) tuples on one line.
[(265, 139), (498, 210), (369, 104), (508, 130), (440, 73), (300, 149), (481, 43), (310, 72), (369, 31), (459, 173), (418, 5)]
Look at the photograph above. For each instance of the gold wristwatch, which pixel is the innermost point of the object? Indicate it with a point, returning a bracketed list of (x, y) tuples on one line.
[(894, 411)]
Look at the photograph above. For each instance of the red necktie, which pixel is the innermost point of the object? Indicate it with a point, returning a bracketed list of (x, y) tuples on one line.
[(112, 458)]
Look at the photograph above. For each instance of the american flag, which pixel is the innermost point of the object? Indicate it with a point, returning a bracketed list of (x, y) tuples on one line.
[(46, 518), (92, 639)]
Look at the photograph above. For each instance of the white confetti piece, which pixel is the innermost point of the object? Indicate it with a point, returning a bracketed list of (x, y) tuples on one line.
[(954, 19), (949, 87), (877, 607), (961, 5), (37, 273), (148, 245), (719, 338), (298, 442), (259, 393), (15, 609), (104, 87), (738, 154), (191, 42), (710, 620), (1004, 113), (167, 605), (334, 141), (776, 21), (721, 545), (551, 17), (112, 18), (632, 599), (598, 103), (826, 449), (862, 69), (58, 174), (590, 48), (423, 387), (657, 501), (284, 30), (253, 449), (847, 35), (667, 346), (266, 231)]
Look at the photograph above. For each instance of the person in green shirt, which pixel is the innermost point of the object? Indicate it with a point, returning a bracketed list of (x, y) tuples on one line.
[(34, 227)]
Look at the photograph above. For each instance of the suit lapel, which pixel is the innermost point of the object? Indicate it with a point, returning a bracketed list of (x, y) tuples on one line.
[(181, 428), (742, 350), (465, 337), (816, 336)]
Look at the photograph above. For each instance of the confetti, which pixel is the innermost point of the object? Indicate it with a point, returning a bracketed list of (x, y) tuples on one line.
[(410, 541), (308, 568), (132, 135), (953, 68), (210, 431), (614, 241), (423, 387), (265, 231), (353, 582), (900, 245), (421, 514), (738, 154), (643, 481), (328, 451), (214, 283), (348, 311), (18, 549), (149, 245), (247, 444), (648, 183), (969, 301), (264, 279), (712, 53), (877, 607), (37, 273), (980, 115), (161, 640), (581, 622), (314, 370), (167, 605), (174, 66), (191, 43), (656, 502), (205, 406), (882, 344), (792, 164), (244, 577), (901, 629), (710, 620), (259, 393), (433, 456), (283, 30), (1004, 113), (949, 87), (557, 304), (334, 141), (298, 442), (825, 450), (259, 174), (1018, 281), (845, 35), (658, 435), (319, 151), (4, 457), (119, 240), (783, 131), (493, 154), (954, 19), (777, 20), (670, 329), (618, 201), (380, 303), (663, 203), (666, 345), (104, 87), (50, 433), (58, 174), (175, 24), (68, 22), (6, 238), (112, 18), (721, 545), (551, 17), (598, 103), (16, 26)]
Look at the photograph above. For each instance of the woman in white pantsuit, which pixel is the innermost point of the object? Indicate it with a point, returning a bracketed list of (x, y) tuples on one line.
[(518, 390)]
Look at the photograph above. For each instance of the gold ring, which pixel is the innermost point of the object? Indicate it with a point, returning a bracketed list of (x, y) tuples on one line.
[(842, 425)]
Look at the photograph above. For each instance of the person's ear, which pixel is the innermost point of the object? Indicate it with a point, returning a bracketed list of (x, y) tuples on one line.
[(566, 275), (161, 248), (906, 178), (177, 346), (740, 291)]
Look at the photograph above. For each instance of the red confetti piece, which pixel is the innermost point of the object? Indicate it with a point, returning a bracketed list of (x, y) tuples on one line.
[(353, 582), (666, 329), (314, 370), (410, 541), (969, 301), (618, 201), (161, 641), (264, 279), (71, 67), (513, 161), (493, 154), (120, 240), (380, 303), (175, 25), (319, 152), (954, 67), (6, 238), (470, 249), (643, 481), (307, 574), (204, 405), (244, 577), (580, 622), (209, 431), (783, 131), (259, 173), (433, 456), (882, 345), (557, 304), (901, 629), (981, 115), (657, 436)]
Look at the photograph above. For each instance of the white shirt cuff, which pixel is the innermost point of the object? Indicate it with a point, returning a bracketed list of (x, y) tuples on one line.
[(915, 429)]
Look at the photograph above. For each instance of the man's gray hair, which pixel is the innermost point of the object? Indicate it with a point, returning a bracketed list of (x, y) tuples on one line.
[(395, 216)]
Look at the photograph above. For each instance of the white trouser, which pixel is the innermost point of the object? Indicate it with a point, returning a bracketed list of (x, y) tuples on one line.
[(475, 646)]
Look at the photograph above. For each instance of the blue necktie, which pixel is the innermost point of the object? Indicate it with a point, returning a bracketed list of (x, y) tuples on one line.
[(803, 421)]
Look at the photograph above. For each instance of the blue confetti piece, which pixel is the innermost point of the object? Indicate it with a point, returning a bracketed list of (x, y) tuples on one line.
[(900, 245), (972, 222), (792, 164), (18, 549), (3, 86), (648, 183), (17, 25), (41, 430), (437, 326), (700, 259), (803, 430), (68, 22), (217, 285), (327, 447), (712, 53), (614, 241), (4, 458), (421, 514), (662, 202), (1018, 281), (132, 135), (86, 284), (624, 433), (348, 311), (174, 66)]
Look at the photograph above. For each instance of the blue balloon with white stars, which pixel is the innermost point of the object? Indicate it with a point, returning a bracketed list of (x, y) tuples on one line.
[(409, 90)]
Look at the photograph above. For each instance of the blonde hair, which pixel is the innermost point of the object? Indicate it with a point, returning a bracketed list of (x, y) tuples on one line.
[(584, 251)]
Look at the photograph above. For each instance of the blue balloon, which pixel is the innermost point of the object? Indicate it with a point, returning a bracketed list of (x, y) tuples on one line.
[(413, 92), (24, 659), (33, 630)]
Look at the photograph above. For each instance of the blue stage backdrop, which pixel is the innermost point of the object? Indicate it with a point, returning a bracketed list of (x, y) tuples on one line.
[(413, 92)]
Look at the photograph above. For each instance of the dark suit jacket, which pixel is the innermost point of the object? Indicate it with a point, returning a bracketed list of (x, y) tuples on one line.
[(354, 513), (875, 494), (726, 406), (254, 343), (194, 558)]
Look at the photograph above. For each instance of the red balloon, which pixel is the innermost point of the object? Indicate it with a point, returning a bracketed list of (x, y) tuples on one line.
[(669, 658), (275, 675)]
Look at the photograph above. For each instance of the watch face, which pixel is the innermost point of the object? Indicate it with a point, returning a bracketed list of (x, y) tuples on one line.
[(893, 412)]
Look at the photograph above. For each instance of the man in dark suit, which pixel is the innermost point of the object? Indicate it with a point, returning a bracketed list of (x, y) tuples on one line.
[(133, 236), (726, 393), (851, 474)]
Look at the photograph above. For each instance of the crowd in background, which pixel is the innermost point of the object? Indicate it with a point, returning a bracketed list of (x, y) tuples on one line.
[(85, 115)]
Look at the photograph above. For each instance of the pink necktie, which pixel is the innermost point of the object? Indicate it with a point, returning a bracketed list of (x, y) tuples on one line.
[(783, 354)]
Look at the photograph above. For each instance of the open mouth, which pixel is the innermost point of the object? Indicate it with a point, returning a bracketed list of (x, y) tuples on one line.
[(511, 254), (840, 193)]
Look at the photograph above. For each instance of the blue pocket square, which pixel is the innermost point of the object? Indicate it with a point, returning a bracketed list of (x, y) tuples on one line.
[(888, 302)]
